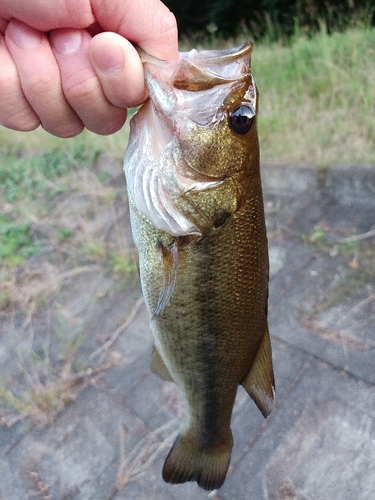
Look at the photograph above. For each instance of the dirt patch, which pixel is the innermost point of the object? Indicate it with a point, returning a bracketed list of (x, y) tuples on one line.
[(62, 310)]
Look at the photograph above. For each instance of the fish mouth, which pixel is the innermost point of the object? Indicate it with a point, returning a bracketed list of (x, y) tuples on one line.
[(197, 83), (199, 70)]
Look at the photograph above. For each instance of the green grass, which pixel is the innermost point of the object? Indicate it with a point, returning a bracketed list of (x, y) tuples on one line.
[(16, 242), (123, 264), (12, 141), (23, 176), (316, 97), (65, 234)]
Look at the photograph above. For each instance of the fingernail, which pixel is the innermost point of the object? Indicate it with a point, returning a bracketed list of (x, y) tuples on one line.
[(66, 42), (23, 36), (108, 57)]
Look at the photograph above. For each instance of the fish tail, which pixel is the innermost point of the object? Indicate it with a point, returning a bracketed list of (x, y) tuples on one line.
[(207, 465)]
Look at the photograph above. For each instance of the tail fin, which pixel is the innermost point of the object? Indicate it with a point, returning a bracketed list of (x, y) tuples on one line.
[(207, 466)]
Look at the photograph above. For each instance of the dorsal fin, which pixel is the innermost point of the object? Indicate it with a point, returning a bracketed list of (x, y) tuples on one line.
[(170, 263), (259, 383)]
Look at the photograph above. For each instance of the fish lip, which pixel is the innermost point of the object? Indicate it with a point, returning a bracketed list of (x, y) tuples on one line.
[(221, 55), (227, 65), (198, 70)]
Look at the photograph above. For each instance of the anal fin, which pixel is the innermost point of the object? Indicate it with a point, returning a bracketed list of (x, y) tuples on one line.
[(158, 366), (259, 383)]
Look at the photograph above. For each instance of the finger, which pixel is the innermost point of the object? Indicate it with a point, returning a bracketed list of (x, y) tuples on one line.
[(81, 86), (45, 15), (119, 69), (3, 25), (15, 111), (40, 79), (149, 23)]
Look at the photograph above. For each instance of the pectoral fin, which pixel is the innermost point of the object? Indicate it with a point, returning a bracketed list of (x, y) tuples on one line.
[(170, 263), (259, 382), (158, 366)]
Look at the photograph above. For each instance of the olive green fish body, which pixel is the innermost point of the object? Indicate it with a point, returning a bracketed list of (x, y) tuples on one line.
[(204, 266)]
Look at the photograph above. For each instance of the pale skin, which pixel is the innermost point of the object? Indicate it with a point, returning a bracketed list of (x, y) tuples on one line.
[(71, 64)]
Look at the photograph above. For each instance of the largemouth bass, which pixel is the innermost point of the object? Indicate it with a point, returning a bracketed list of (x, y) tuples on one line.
[(195, 196)]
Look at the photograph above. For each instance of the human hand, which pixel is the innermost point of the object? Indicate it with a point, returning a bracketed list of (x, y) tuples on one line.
[(69, 64)]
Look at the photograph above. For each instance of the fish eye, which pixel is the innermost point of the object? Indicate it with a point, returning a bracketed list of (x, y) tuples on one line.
[(241, 118)]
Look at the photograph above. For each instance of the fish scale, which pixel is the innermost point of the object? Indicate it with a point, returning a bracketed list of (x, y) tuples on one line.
[(206, 289)]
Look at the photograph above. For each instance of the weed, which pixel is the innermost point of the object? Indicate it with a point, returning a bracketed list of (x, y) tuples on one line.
[(355, 279), (96, 250), (4, 300), (7, 398), (16, 242), (118, 331), (42, 489), (357, 248), (103, 176), (122, 264), (48, 391), (42, 402), (29, 177), (65, 234), (83, 147), (318, 236), (349, 248), (135, 464), (109, 196)]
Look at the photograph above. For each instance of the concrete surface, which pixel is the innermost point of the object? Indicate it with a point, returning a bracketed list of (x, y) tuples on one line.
[(318, 444)]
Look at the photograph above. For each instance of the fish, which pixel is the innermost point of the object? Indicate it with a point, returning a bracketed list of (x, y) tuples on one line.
[(192, 168)]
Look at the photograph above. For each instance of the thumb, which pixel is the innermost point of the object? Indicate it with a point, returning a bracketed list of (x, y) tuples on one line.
[(119, 69), (148, 23)]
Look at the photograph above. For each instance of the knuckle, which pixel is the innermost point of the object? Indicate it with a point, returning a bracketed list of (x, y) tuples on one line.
[(42, 94), (15, 111), (41, 85), (109, 124), (59, 119), (23, 121), (65, 131), (76, 90), (93, 106), (8, 81)]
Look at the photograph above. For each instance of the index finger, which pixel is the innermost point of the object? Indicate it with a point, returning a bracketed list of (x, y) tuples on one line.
[(149, 23)]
